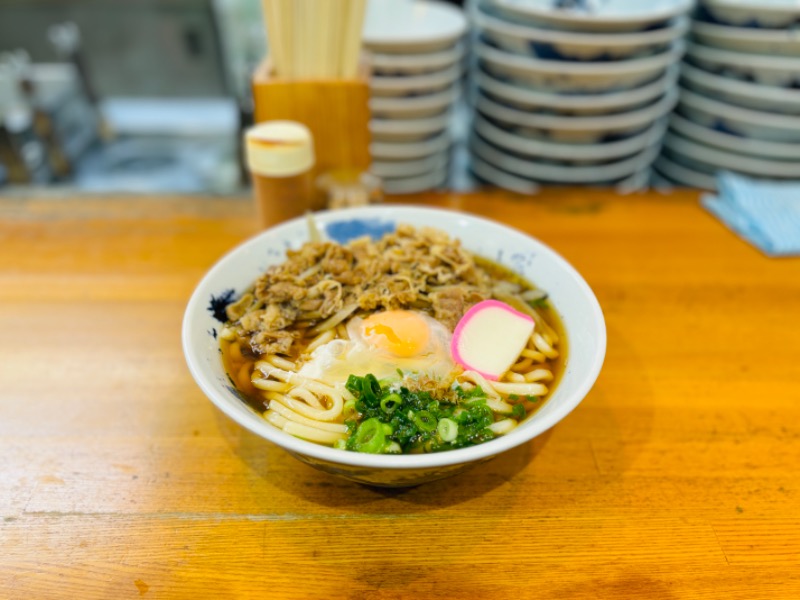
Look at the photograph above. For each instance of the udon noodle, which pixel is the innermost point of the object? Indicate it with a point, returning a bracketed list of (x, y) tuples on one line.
[(297, 344)]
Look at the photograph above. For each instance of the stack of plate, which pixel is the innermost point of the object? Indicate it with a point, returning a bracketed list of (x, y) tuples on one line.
[(572, 91), (416, 52), (739, 104)]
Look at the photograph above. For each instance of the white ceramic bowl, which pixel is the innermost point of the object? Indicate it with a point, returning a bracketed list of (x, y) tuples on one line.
[(735, 143), (683, 175), (570, 295), (408, 130), (779, 71), (415, 64), (410, 150), (529, 99), (550, 44), (411, 26), (590, 15), (409, 168), (519, 144), (583, 130), (741, 121), (577, 77), (775, 14), (782, 42), (576, 173), (413, 85), (418, 107), (743, 93), (726, 160)]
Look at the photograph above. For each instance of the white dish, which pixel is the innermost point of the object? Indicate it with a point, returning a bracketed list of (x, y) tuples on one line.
[(417, 107), (502, 179), (683, 175), (539, 42), (415, 64), (720, 159), (408, 130), (576, 304), (611, 15), (747, 122), (563, 173), (412, 185), (774, 14), (780, 71), (745, 39), (576, 129), (405, 150), (564, 76), (402, 26), (413, 85), (409, 168), (587, 104), (744, 93), (727, 141), (553, 150)]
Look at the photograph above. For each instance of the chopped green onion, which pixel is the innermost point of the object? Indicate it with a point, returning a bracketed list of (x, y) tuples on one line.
[(424, 421), (393, 448), (349, 409), (340, 445), (390, 403), (448, 429), (518, 412), (370, 437), (370, 390)]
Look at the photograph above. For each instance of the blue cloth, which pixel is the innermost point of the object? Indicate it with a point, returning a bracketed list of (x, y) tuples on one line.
[(765, 213)]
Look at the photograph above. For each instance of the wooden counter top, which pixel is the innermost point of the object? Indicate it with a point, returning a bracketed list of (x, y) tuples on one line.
[(677, 477)]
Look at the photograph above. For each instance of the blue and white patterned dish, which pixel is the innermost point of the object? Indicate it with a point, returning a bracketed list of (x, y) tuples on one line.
[(717, 137), (525, 146), (591, 15), (409, 168), (408, 130), (390, 65), (716, 158), (771, 14), (529, 99), (411, 86), (780, 42), (418, 107), (410, 150), (234, 273), (742, 93), (487, 173), (576, 77), (575, 171), (778, 71), (740, 121), (538, 42), (419, 26), (396, 186), (682, 174), (591, 129)]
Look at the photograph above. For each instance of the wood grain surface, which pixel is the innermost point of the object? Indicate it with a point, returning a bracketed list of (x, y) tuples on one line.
[(677, 477)]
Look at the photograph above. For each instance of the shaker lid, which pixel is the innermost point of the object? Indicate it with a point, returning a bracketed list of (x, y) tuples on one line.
[(279, 149)]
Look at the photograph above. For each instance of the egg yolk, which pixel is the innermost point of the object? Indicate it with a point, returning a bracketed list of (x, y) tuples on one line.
[(401, 332)]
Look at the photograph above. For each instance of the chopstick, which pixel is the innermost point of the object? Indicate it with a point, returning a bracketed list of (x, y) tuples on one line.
[(314, 38)]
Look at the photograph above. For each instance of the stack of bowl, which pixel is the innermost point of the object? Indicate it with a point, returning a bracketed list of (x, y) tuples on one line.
[(416, 52), (572, 91), (739, 104)]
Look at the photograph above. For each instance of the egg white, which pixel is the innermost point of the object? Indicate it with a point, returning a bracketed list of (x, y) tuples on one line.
[(338, 359)]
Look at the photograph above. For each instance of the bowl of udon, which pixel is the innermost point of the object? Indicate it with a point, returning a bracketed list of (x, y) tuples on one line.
[(394, 345)]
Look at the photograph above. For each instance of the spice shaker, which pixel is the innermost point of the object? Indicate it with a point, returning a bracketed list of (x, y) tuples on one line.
[(280, 158)]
